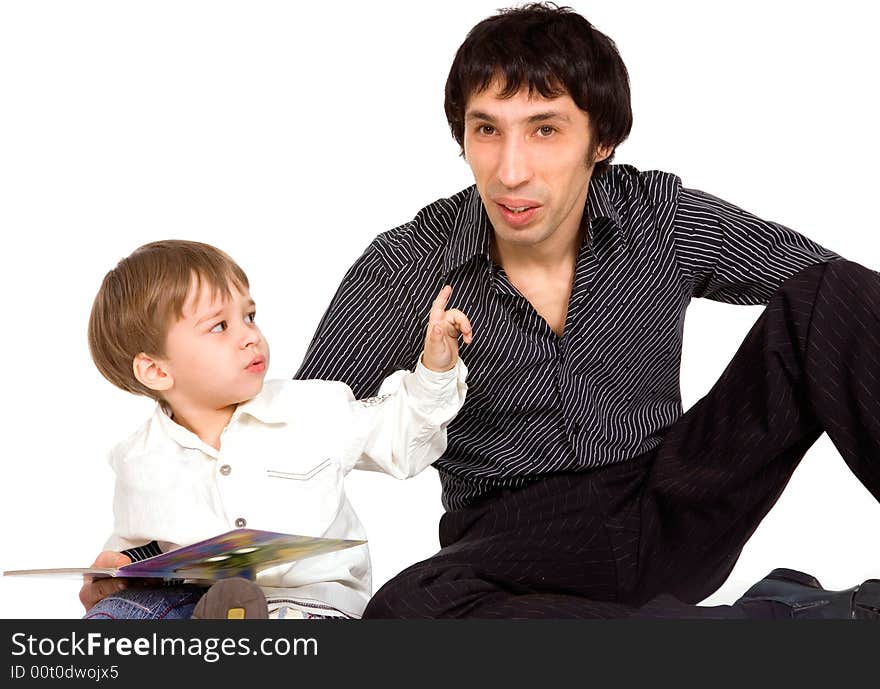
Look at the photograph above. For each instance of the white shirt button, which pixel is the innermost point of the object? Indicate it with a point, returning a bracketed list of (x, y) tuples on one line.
[(225, 469), (241, 522)]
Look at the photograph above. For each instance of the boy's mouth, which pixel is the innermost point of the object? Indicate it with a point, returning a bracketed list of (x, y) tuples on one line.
[(257, 365)]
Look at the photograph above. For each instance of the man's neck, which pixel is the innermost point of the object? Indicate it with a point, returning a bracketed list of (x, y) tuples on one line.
[(559, 251), (208, 424)]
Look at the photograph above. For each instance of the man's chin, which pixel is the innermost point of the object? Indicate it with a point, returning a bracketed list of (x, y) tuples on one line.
[(519, 236)]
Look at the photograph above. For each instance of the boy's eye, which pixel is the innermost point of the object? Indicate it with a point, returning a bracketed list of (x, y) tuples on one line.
[(219, 328), (251, 317)]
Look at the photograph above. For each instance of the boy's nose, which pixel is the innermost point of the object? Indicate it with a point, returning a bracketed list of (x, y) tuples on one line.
[(251, 338)]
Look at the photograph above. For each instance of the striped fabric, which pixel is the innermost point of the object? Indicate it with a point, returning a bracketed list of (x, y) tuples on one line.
[(539, 404), (142, 552), (652, 536)]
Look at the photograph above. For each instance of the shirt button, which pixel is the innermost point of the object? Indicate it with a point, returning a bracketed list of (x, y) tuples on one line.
[(225, 469), (241, 522)]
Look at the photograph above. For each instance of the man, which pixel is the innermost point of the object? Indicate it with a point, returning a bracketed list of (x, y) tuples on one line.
[(573, 484)]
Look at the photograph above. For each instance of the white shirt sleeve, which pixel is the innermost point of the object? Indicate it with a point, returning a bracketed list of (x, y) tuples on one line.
[(403, 429)]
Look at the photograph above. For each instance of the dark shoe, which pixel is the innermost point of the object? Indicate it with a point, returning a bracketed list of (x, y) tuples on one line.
[(806, 598), (232, 599)]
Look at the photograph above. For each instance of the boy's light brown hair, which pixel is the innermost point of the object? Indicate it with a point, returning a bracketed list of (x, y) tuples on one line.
[(138, 299)]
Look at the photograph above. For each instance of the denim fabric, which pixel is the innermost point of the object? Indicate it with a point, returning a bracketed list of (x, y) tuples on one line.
[(155, 603)]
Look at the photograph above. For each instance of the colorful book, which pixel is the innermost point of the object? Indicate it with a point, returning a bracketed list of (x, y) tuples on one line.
[(237, 553)]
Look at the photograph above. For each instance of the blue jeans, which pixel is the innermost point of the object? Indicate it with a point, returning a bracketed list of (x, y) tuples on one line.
[(153, 603)]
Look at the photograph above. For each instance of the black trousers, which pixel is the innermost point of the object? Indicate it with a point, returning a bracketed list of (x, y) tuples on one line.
[(659, 533)]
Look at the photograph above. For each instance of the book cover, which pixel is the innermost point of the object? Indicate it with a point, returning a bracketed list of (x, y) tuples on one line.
[(236, 553)]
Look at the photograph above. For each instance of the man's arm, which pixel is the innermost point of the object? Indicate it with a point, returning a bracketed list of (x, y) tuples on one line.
[(363, 336), (729, 255)]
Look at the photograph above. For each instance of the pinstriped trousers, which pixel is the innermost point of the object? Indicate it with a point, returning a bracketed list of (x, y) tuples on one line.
[(655, 535)]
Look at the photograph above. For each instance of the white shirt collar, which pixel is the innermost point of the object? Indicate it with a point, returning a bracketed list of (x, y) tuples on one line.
[(262, 407)]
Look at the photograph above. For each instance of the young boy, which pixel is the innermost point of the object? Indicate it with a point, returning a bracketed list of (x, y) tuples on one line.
[(175, 321)]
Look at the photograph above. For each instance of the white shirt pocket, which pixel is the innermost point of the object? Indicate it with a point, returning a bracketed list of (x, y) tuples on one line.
[(304, 499), (297, 476)]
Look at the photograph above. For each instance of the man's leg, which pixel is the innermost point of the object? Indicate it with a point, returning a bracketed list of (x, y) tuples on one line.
[(532, 549), (810, 363), (555, 549)]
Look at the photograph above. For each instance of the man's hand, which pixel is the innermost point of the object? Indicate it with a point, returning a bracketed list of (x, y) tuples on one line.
[(441, 341), (95, 590)]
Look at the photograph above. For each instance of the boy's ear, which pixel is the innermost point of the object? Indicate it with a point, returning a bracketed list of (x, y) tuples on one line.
[(150, 373)]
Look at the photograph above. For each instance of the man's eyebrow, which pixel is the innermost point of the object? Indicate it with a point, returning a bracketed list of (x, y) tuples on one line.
[(531, 119), (548, 115), (478, 115)]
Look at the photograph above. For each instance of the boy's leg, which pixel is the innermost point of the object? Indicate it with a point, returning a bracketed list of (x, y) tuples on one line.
[(148, 603)]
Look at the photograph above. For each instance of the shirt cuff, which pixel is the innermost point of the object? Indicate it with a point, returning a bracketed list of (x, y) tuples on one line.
[(436, 381)]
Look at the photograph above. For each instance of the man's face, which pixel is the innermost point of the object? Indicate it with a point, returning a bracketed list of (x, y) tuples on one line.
[(215, 352), (530, 157)]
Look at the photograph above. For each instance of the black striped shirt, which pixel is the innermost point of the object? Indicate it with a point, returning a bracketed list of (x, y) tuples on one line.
[(539, 404)]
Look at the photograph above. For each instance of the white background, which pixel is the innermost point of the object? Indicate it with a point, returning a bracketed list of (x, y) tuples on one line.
[(290, 134)]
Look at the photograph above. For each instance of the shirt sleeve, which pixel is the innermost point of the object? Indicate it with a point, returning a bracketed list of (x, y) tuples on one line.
[(136, 546), (363, 336), (729, 255), (403, 430), (117, 541)]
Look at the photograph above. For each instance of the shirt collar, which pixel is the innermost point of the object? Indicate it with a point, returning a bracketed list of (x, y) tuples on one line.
[(599, 205), (470, 230), (182, 436), (260, 407), (265, 407)]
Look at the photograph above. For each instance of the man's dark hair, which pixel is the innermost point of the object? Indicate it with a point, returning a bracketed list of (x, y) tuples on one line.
[(551, 50)]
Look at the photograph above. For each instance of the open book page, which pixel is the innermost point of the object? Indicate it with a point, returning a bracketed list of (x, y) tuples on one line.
[(237, 553)]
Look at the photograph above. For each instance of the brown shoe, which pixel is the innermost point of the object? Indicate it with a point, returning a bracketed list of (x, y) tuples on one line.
[(232, 599)]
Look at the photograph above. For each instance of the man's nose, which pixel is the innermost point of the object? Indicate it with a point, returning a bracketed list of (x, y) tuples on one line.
[(514, 168)]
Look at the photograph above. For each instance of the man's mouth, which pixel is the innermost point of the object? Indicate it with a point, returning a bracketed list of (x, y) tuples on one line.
[(518, 212), (516, 204)]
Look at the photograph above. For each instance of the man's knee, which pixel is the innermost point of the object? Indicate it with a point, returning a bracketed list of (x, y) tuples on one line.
[(852, 279), (400, 597), (832, 282), (431, 589)]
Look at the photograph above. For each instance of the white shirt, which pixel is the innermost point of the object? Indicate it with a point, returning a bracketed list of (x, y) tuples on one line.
[(280, 467)]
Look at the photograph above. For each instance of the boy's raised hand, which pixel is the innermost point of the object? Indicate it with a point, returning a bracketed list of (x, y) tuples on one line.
[(441, 340)]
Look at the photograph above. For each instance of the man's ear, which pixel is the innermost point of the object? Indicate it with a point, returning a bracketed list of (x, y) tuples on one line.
[(602, 152), (151, 373)]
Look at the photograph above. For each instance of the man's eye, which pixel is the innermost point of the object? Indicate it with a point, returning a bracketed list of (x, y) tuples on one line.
[(486, 129), (219, 328), (251, 317), (546, 130)]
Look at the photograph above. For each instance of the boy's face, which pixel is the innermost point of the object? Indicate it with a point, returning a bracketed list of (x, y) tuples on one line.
[(215, 353)]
